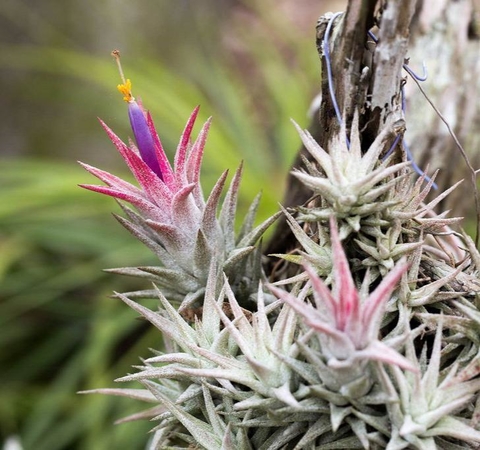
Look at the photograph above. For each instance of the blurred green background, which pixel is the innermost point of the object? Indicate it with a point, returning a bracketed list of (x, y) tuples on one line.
[(251, 65)]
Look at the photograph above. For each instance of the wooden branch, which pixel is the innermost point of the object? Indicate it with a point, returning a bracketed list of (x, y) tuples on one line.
[(389, 57), (368, 77), (390, 53), (348, 50)]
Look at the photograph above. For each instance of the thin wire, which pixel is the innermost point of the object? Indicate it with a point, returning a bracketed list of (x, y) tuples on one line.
[(473, 178), (415, 167), (331, 88), (375, 39), (407, 147), (406, 66), (392, 148), (415, 75)]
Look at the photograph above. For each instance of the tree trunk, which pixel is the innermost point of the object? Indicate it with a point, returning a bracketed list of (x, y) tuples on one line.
[(368, 76)]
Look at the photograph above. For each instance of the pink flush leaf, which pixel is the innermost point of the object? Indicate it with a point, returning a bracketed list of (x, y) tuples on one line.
[(153, 187), (345, 290), (375, 303), (140, 203), (323, 297), (312, 317), (184, 211), (112, 180), (172, 238), (379, 351), (182, 149), (194, 162), (163, 162)]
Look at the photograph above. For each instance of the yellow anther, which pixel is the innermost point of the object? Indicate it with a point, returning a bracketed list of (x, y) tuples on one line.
[(126, 87), (126, 90)]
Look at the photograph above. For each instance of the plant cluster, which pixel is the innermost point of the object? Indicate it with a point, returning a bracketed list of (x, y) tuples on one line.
[(368, 339)]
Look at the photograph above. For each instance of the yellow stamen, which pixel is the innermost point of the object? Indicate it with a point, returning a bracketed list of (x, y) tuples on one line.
[(126, 87), (126, 90)]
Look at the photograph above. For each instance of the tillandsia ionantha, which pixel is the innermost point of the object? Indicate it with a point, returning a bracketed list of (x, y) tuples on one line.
[(173, 218), (370, 342)]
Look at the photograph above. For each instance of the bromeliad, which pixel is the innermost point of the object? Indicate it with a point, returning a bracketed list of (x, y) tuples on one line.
[(175, 220), (347, 326), (164, 192)]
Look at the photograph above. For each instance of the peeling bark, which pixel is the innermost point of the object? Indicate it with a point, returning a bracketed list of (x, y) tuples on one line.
[(368, 76)]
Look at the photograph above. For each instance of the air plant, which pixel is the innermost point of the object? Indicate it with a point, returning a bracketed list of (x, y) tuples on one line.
[(372, 343), (173, 218)]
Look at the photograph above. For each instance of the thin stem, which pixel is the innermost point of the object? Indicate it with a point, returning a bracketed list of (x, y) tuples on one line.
[(116, 55)]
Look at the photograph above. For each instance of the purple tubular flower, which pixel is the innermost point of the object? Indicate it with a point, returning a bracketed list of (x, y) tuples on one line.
[(146, 143), (143, 137)]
